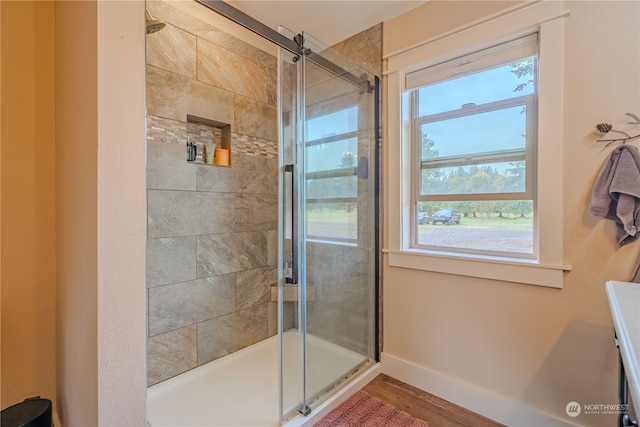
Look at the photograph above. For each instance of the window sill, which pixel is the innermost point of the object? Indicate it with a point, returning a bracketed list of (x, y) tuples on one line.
[(514, 270)]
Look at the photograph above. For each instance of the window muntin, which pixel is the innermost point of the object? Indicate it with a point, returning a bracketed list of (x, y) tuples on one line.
[(474, 152)]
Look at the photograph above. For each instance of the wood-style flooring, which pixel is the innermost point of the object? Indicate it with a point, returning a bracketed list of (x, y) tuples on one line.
[(420, 404)]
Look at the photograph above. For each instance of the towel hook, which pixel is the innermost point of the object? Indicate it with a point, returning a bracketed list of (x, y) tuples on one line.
[(605, 128)]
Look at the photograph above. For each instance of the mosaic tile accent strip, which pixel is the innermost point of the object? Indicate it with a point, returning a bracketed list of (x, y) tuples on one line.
[(176, 132)]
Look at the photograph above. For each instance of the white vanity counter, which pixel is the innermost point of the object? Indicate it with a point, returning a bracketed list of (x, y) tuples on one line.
[(624, 301)]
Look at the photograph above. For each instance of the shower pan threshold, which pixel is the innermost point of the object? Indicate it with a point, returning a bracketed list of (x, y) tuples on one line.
[(241, 389)]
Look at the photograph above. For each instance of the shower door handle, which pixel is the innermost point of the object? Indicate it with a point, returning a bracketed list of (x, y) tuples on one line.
[(293, 279)]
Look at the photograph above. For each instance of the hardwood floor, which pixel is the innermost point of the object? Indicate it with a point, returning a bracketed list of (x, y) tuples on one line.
[(420, 404)]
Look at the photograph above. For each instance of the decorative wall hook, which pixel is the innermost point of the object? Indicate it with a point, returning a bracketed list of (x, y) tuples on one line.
[(605, 128)]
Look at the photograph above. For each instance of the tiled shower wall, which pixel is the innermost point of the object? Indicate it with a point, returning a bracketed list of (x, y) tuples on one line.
[(212, 230)]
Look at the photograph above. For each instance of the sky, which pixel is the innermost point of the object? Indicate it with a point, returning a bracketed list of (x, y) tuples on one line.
[(492, 131), (328, 156)]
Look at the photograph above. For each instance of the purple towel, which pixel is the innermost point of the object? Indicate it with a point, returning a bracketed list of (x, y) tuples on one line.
[(616, 192)]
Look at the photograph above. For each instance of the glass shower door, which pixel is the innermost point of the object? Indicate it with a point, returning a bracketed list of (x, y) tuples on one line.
[(328, 224)]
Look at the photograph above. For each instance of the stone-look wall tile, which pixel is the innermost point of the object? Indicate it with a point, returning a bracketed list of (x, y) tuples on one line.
[(223, 335), (218, 179), (253, 175), (254, 286), (169, 13), (272, 247), (256, 212), (273, 174), (171, 260), (370, 59), (173, 96), (225, 69), (172, 49), (229, 253), (255, 118), (364, 49), (171, 353), (240, 47), (167, 167), (363, 39), (188, 213), (182, 304), (244, 221)]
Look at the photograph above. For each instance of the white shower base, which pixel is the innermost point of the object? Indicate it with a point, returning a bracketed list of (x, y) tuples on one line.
[(242, 389)]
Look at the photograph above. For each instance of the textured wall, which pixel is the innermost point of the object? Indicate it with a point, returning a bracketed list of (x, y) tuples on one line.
[(538, 346), (100, 213)]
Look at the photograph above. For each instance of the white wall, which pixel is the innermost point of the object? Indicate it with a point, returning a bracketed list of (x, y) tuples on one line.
[(536, 347), (100, 197)]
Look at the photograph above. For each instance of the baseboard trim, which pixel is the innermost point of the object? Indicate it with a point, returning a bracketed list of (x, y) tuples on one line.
[(483, 402)]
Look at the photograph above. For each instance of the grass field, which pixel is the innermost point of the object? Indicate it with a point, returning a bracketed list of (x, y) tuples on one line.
[(515, 223), (513, 234), (344, 217)]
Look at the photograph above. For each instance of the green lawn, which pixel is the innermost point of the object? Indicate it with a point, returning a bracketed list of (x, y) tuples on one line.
[(515, 223)]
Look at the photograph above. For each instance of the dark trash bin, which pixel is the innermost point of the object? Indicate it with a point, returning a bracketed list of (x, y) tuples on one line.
[(32, 412)]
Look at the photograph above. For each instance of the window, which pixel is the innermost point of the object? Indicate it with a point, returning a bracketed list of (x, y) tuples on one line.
[(472, 132), (331, 177), (530, 166)]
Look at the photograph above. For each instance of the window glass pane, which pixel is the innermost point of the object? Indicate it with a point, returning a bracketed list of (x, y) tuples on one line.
[(497, 130), (503, 82), (333, 221), (331, 155), (336, 123), (475, 179), (482, 226), (467, 155), (334, 187)]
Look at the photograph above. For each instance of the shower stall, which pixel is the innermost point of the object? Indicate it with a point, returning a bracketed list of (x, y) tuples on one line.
[(262, 271)]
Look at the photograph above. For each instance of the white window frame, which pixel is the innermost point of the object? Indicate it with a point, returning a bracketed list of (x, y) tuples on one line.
[(547, 266), (475, 62)]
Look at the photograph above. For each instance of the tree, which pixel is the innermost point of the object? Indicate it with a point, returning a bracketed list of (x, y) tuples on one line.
[(348, 160), (427, 148), (521, 69), (515, 176)]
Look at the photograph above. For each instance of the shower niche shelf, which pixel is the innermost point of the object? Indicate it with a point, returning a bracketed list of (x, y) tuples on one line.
[(202, 132)]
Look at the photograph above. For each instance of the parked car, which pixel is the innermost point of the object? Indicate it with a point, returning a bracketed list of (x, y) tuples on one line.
[(446, 216), (423, 217)]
